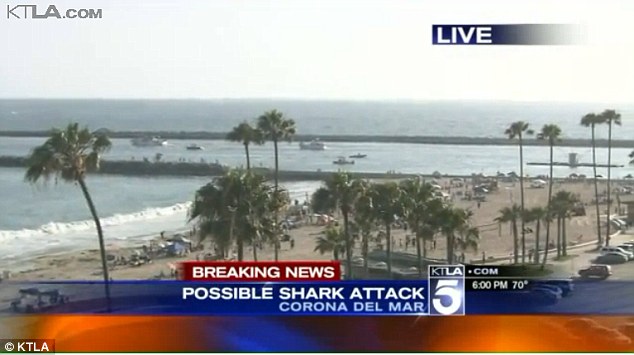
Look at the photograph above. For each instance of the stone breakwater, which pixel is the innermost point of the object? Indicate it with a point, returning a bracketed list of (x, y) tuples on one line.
[(570, 142)]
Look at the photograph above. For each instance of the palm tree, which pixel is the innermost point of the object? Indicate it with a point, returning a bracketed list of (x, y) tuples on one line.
[(333, 240), (518, 130), (386, 200), (611, 117), (420, 208), (562, 204), (456, 220), (340, 193), (70, 154), (512, 215), (548, 218), (364, 219), (276, 128), (592, 120), (246, 134), (550, 133), (537, 215)]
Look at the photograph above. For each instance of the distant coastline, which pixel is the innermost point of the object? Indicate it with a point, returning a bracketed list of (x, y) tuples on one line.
[(441, 140)]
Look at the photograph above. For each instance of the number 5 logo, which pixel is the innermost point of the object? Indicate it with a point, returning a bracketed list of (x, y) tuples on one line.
[(449, 289)]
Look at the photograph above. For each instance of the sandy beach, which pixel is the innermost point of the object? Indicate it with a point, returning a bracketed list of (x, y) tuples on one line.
[(495, 241)]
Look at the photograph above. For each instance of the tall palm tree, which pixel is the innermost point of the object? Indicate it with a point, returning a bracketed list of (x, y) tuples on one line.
[(456, 220), (548, 218), (364, 218), (340, 193), (386, 200), (592, 120), (552, 134), (538, 215), (333, 240), (512, 215), (276, 128), (420, 209), (610, 117), (70, 154), (562, 204), (518, 130), (246, 134)]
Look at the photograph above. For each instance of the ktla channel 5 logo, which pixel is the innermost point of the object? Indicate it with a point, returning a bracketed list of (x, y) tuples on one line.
[(446, 290)]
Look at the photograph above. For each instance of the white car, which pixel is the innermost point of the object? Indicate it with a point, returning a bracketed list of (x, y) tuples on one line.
[(610, 250)]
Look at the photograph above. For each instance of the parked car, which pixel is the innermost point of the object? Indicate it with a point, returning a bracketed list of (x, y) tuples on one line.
[(627, 247), (596, 271), (566, 286), (613, 250), (612, 258), (33, 299)]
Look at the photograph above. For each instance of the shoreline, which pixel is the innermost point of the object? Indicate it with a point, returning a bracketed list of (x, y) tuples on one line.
[(435, 140)]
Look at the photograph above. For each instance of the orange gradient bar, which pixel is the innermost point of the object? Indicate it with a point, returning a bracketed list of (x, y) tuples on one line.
[(436, 334)]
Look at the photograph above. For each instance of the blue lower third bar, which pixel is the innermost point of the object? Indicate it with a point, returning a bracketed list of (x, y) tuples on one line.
[(508, 34)]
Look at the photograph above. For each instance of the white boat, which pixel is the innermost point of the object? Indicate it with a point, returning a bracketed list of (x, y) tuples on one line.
[(343, 161), (149, 142), (195, 147), (315, 144)]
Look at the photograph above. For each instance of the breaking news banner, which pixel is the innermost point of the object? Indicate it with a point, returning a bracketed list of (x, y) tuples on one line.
[(508, 34), (316, 289)]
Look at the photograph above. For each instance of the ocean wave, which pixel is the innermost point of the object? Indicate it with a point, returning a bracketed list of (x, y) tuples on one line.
[(55, 228)]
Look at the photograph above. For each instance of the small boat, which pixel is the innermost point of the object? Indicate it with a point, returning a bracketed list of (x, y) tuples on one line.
[(149, 142), (358, 156), (315, 144), (343, 161), (195, 147)]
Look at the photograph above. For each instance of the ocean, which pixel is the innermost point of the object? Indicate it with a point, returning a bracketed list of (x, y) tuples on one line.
[(38, 220)]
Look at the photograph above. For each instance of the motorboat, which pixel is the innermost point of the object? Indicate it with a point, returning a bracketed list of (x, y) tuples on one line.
[(149, 142), (195, 147), (315, 144), (343, 161), (358, 156)]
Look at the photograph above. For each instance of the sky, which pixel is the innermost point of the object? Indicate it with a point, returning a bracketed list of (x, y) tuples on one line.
[(328, 49)]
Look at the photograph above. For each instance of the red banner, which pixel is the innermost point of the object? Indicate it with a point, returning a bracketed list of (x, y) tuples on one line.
[(260, 271)]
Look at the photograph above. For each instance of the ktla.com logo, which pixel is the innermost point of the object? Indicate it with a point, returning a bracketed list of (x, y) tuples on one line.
[(27, 346), (22, 12)]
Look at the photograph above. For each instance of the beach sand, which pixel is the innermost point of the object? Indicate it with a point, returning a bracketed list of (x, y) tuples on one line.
[(87, 264)]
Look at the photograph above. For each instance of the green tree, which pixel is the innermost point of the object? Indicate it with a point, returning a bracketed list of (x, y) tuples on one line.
[(247, 135), (340, 193), (592, 120), (364, 219), (518, 130), (537, 215), (276, 128), (454, 221), (70, 154), (611, 118), (420, 210), (548, 218), (386, 201), (512, 215), (552, 134), (333, 240), (562, 205)]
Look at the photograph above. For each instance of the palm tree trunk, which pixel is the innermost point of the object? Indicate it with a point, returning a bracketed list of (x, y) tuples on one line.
[(558, 236), (537, 241), (450, 248), (515, 242), (276, 237), (607, 233), (346, 232), (596, 188), (388, 234), (102, 246), (419, 254), (522, 198), (547, 246), (255, 252), (365, 252), (564, 241), (550, 197), (246, 150)]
